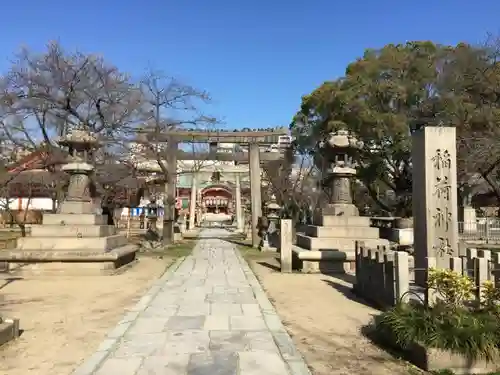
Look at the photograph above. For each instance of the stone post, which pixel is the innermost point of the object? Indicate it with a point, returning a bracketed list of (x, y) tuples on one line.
[(239, 211), (402, 276), (469, 219), (435, 199), (255, 185), (169, 204), (192, 201), (286, 245)]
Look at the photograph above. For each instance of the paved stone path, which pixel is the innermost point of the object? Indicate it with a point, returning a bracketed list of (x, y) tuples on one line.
[(207, 315)]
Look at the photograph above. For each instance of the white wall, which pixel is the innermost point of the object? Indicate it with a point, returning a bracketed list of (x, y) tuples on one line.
[(23, 203)]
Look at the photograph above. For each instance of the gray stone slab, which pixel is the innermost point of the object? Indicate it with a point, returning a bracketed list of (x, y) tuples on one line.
[(247, 323), (159, 311), (216, 323), (220, 363), (148, 325), (140, 345), (206, 315), (261, 341), (232, 341), (188, 341), (122, 366), (286, 346), (193, 309), (273, 322), (179, 323), (226, 309), (89, 366), (163, 365), (252, 309), (239, 298), (261, 362)]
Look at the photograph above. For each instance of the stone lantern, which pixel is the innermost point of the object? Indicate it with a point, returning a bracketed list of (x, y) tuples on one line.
[(152, 214), (262, 227), (273, 216), (336, 158), (273, 209), (80, 144)]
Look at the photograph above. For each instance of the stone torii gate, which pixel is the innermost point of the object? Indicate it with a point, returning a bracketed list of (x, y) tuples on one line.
[(253, 139)]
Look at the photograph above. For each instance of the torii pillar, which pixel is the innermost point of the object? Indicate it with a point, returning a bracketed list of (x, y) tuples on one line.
[(255, 186)]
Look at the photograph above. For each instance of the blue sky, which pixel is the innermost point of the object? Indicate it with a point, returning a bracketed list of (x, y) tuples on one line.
[(256, 58)]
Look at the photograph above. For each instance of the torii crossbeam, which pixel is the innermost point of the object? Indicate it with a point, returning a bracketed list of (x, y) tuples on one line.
[(252, 138)]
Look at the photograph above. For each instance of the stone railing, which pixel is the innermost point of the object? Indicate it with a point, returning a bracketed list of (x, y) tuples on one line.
[(382, 222), (394, 229), (483, 230), (384, 277)]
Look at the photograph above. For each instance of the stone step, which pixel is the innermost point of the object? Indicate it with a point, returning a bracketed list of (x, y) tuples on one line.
[(342, 221), (77, 244), (67, 262), (342, 232), (341, 244), (74, 219), (73, 231)]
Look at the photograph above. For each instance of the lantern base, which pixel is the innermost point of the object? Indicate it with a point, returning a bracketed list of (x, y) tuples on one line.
[(78, 207), (340, 209), (76, 241)]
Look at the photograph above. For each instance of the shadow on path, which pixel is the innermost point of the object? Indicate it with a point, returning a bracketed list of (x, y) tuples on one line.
[(347, 290)]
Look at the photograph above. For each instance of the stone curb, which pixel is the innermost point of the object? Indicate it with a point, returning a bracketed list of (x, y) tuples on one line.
[(90, 365), (292, 357)]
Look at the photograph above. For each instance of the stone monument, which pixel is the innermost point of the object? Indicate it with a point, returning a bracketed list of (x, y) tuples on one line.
[(435, 191), (337, 226), (74, 237)]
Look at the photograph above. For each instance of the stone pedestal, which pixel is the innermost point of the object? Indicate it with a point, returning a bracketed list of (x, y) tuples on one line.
[(336, 234), (75, 239), (341, 201), (71, 242)]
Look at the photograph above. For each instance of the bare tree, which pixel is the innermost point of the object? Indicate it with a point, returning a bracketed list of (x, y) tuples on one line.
[(47, 94), (294, 182), (171, 105)]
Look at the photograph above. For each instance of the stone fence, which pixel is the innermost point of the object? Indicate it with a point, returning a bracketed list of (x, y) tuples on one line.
[(400, 231), (384, 277)]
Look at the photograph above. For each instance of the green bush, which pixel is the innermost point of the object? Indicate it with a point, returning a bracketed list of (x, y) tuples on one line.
[(473, 334), (452, 323)]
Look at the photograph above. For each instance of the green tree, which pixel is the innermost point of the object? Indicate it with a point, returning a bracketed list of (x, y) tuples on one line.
[(470, 88), (389, 92)]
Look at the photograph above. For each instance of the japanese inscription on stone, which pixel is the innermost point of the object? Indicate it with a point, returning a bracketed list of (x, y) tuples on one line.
[(434, 199), (443, 217)]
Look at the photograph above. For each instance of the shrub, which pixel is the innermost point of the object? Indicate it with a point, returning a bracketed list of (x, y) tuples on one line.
[(490, 301), (449, 324), (453, 288), (474, 335)]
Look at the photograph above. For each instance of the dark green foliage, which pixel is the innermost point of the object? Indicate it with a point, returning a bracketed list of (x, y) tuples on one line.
[(475, 335), (388, 92)]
